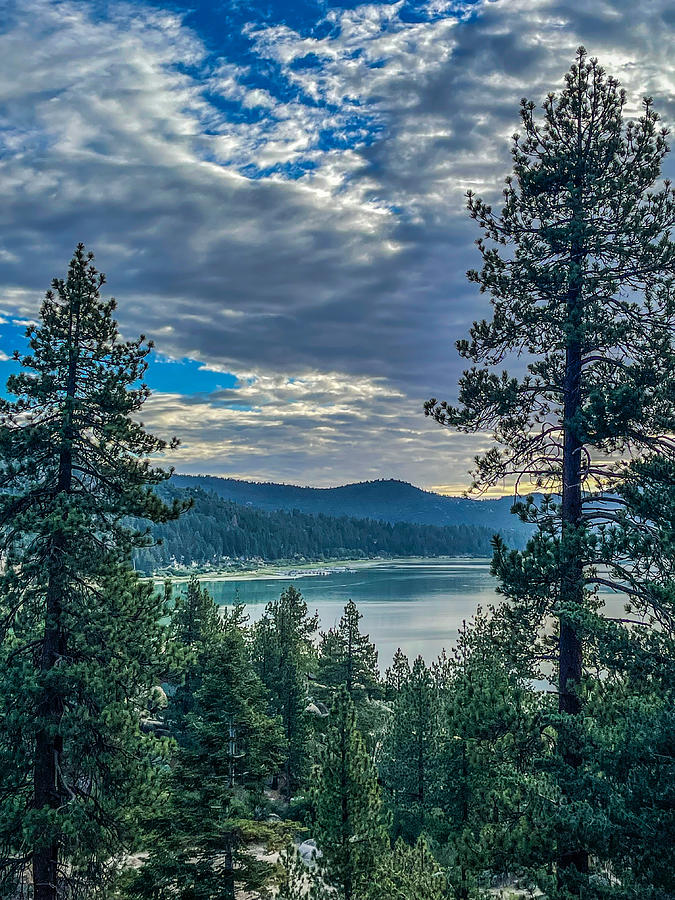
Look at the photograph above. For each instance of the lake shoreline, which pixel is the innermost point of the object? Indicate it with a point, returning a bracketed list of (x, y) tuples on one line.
[(281, 572)]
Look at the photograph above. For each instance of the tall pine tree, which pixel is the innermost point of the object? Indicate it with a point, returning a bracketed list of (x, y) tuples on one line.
[(349, 821), (196, 626), (213, 806), (348, 658), (284, 656), (411, 767), (579, 265), (79, 635)]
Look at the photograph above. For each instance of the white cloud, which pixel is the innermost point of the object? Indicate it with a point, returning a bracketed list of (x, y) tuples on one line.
[(353, 272), (316, 428)]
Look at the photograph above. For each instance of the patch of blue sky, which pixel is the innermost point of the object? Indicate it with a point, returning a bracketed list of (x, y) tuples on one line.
[(256, 73), (185, 376), (308, 61), (234, 111), (415, 11), (348, 127), (7, 367), (12, 337), (15, 139), (225, 26), (221, 23), (227, 29), (344, 136), (12, 333), (290, 170)]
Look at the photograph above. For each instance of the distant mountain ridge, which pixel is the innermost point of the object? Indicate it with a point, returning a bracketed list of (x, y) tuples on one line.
[(216, 532), (386, 500)]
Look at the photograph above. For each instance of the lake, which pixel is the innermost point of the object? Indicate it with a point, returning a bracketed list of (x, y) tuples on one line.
[(416, 605)]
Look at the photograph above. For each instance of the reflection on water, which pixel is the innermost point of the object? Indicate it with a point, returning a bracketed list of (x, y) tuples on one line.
[(418, 606)]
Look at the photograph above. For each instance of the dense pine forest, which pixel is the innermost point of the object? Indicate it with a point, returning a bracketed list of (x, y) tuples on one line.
[(154, 745), (386, 500), (214, 531)]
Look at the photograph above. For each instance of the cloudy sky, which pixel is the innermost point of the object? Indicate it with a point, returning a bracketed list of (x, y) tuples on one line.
[(276, 193)]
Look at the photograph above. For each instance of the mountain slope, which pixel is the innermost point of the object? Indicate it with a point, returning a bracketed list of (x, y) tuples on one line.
[(216, 531), (386, 500)]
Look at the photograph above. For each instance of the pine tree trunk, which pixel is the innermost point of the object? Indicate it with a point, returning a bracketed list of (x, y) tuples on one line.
[(287, 786), (420, 770), (290, 738), (48, 749), (229, 892), (571, 576), (47, 792), (571, 584), (347, 886), (350, 679)]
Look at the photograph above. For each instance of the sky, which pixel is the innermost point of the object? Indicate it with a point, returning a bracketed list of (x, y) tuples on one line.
[(276, 192)]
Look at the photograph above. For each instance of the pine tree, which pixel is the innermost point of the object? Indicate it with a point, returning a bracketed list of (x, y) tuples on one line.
[(196, 625), (409, 872), (211, 809), (79, 636), (284, 655), (410, 766), (195, 620), (396, 675), (493, 747), (350, 829), (579, 265), (296, 880), (348, 658)]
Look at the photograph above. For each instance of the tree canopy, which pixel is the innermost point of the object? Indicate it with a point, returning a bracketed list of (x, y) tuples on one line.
[(80, 636), (579, 266)]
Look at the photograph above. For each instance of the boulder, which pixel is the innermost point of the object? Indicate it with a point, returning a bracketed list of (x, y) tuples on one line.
[(308, 852)]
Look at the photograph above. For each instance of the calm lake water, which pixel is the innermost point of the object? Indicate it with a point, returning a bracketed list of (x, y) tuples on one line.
[(418, 606)]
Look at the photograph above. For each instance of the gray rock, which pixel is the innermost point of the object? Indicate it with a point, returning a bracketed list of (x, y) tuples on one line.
[(308, 852)]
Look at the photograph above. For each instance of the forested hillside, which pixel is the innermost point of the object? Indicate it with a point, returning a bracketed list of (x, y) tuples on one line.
[(215, 529), (386, 499)]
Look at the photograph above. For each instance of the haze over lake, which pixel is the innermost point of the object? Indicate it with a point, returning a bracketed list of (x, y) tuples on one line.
[(416, 605)]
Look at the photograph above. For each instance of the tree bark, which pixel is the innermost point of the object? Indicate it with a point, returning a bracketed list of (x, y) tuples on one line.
[(420, 769), (48, 748), (290, 717), (571, 587), (229, 886), (350, 677), (571, 576), (571, 583), (47, 791)]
